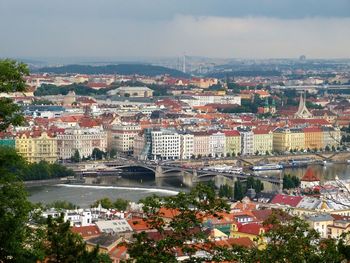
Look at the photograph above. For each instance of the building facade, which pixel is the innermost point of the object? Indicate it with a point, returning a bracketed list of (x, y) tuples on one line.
[(84, 140), (313, 138), (201, 144), (166, 144), (217, 144), (247, 141), (121, 137), (286, 139), (233, 142), (262, 141), (37, 146)]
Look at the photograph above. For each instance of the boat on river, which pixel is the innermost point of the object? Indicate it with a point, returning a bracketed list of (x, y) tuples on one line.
[(267, 167)]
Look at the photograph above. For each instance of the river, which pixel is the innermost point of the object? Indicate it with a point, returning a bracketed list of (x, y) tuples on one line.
[(137, 187)]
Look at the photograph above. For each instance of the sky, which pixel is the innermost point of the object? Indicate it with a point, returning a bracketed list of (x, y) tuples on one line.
[(171, 28)]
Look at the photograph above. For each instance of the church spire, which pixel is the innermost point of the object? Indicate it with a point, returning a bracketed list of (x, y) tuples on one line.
[(303, 112)]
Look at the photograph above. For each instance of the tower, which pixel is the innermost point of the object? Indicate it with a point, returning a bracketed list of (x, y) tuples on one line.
[(184, 64), (266, 106), (302, 112), (273, 107)]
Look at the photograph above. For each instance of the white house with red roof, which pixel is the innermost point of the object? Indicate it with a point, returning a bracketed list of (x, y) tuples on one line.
[(309, 180)]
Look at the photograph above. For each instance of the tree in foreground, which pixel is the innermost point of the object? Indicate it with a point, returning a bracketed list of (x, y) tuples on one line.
[(189, 210), (292, 240), (288, 239), (62, 245), (119, 203), (11, 80)]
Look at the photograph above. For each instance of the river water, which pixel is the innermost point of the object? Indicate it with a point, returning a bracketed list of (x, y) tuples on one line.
[(139, 186)]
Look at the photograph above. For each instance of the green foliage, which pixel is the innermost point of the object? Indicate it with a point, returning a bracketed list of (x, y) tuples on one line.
[(311, 105), (105, 203), (11, 80), (293, 241), (76, 156), (120, 69), (238, 191), (60, 204), (62, 245), (79, 89), (234, 86), (97, 154), (210, 184), (14, 166), (119, 203), (185, 225), (250, 106), (226, 191), (14, 215), (44, 170), (113, 153), (42, 102), (256, 184), (11, 164), (216, 87), (12, 75), (290, 181), (10, 113)]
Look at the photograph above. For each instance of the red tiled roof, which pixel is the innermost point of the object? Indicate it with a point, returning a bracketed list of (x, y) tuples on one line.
[(286, 200), (250, 228), (241, 241), (262, 215), (86, 231), (168, 213), (310, 176), (232, 133), (139, 224)]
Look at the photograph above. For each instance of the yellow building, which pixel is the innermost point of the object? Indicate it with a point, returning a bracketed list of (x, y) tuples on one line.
[(339, 227), (253, 231), (320, 223), (262, 141), (233, 142), (313, 138), (37, 146), (285, 139)]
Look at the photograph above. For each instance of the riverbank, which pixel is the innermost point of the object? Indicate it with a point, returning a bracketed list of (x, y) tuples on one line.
[(42, 182), (92, 186), (85, 195)]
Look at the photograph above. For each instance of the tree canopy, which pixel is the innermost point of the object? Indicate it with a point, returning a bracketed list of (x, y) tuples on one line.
[(11, 80)]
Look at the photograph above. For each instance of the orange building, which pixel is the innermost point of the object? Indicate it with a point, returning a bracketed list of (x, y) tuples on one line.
[(313, 137)]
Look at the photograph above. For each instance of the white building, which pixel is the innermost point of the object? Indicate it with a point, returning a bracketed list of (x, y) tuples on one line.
[(82, 139), (114, 226), (217, 144), (187, 146), (143, 92), (202, 100), (166, 144), (247, 140), (77, 217)]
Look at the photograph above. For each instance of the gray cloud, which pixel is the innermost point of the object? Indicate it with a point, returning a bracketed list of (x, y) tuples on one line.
[(222, 28)]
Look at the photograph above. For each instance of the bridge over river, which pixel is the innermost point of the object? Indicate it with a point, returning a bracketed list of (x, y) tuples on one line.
[(167, 169)]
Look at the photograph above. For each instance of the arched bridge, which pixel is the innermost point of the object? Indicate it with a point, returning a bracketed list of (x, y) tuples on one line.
[(168, 170)]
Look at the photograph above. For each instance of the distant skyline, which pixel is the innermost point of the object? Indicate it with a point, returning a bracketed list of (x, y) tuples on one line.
[(171, 28)]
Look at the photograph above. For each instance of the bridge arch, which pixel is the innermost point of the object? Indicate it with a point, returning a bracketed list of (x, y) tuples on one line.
[(138, 165)]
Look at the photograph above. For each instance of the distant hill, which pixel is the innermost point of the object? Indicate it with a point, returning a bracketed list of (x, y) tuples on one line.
[(122, 69)]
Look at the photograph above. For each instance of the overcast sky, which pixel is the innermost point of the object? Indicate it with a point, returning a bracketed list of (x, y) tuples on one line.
[(164, 28)]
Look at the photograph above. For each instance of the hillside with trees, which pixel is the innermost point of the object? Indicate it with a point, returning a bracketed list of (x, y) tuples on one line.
[(121, 69)]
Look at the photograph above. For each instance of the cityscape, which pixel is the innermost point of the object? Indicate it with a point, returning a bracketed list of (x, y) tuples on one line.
[(169, 151)]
